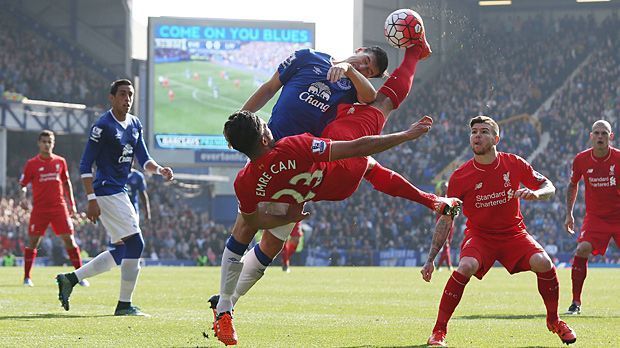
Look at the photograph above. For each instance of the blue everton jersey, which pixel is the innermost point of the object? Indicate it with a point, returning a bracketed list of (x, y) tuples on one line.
[(135, 184), (308, 101), (112, 146)]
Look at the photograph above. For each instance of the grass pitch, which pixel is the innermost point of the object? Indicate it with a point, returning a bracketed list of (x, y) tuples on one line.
[(195, 109), (310, 307)]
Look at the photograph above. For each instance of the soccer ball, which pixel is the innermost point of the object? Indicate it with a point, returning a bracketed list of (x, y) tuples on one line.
[(403, 28)]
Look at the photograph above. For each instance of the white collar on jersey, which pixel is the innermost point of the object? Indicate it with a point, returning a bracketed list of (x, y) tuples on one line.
[(123, 124)]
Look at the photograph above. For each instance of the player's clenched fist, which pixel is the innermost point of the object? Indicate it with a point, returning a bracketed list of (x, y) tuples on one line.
[(427, 271), (338, 71), (420, 128), (167, 173), (93, 211)]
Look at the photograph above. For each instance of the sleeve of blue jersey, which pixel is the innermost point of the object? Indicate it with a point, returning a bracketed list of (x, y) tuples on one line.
[(290, 65), (142, 154), (93, 146)]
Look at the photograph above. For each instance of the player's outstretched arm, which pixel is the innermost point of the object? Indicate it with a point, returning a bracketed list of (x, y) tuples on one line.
[(571, 197), (442, 230), (370, 145), (263, 94)]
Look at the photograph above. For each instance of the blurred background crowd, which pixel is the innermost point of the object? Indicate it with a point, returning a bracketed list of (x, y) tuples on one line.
[(545, 81)]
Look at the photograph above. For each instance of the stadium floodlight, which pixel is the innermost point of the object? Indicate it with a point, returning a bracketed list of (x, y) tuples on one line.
[(495, 2), (53, 104), (593, 0)]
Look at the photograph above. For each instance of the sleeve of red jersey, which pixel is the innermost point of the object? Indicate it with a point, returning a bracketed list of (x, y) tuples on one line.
[(26, 176), (454, 188), (576, 172), (530, 177), (308, 147), (244, 193), (64, 173)]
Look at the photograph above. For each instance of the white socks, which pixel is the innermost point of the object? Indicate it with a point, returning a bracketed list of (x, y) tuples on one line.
[(230, 271), (130, 268), (101, 263), (252, 271)]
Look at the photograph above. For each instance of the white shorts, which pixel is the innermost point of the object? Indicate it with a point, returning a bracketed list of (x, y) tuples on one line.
[(118, 216)]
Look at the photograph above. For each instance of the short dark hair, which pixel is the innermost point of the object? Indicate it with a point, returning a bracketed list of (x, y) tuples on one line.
[(485, 120), (381, 58), (46, 133), (120, 82), (243, 131)]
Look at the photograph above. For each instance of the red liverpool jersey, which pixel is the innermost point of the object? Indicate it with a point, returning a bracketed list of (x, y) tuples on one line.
[(601, 180), (47, 176), (297, 170), (487, 192)]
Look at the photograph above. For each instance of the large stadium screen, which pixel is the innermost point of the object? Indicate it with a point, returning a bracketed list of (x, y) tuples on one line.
[(201, 70)]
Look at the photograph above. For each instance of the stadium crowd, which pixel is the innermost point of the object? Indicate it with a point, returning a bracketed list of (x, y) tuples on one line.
[(506, 70), (31, 66)]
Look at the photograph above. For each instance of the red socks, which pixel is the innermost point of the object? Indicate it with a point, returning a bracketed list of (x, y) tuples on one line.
[(75, 257), (29, 256), (450, 299), (549, 289), (578, 275), (398, 85), (393, 184)]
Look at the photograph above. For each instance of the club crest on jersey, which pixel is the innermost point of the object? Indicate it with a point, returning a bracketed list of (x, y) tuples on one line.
[(478, 186), (506, 177), (57, 167), (318, 95), (135, 132), (344, 84), (612, 169), (318, 146), (590, 171), (95, 133), (127, 155)]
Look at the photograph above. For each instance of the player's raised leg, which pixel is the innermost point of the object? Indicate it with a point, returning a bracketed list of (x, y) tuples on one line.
[(396, 88)]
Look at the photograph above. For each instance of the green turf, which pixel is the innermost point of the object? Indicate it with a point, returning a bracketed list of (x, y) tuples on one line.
[(310, 307), (194, 110)]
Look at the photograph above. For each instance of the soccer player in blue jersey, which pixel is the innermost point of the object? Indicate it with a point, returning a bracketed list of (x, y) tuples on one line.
[(114, 140), (136, 186), (313, 84)]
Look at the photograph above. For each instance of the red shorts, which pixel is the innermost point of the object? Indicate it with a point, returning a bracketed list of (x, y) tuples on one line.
[(297, 231), (60, 220), (512, 251), (599, 232), (354, 121)]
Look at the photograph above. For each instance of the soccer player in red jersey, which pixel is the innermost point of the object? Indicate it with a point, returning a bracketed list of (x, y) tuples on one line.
[(490, 187), (597, 166), (52, 202), (301, 168)]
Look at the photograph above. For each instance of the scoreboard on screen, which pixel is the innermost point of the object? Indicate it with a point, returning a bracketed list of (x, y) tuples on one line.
[(202, 70)]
